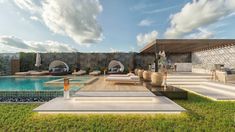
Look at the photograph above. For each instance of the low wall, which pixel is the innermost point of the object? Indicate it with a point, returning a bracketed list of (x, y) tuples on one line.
[(5, 62), (206, 59), (92, 61)]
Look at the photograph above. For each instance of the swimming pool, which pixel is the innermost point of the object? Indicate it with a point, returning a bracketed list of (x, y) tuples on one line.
[(26, 84), (32, 83), (34, 88)]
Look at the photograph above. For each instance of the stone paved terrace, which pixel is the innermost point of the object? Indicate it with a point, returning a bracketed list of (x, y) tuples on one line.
[(104, 97)]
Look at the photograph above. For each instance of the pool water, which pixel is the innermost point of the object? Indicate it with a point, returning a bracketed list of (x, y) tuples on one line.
[(28, 84)]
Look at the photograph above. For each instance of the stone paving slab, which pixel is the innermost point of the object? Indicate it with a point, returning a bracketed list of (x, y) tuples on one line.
[(104, 104)]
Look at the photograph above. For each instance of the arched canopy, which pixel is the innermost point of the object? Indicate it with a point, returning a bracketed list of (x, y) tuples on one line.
[(58, 64), (115, 63)]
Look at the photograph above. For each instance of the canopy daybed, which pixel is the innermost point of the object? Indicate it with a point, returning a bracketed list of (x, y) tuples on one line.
[(58, 68)]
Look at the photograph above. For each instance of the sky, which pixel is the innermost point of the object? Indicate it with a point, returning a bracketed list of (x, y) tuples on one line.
[(109, 25)]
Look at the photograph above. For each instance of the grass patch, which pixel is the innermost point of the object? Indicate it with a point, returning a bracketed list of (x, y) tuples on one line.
[(202, 115)]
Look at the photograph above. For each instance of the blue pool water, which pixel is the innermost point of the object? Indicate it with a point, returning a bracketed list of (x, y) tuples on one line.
[(27, 84)]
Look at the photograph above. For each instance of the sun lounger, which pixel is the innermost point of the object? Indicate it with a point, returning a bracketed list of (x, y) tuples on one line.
[(32, 73), (81, 72), (121, 75), (38, 73), (22, 73), (129, 79), (95, 73)]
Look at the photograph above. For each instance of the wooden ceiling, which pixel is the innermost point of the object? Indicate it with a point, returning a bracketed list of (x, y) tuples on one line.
[(186, 45)]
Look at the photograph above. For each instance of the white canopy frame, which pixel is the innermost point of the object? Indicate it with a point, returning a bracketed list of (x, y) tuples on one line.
[(114, 63), (58, 63)]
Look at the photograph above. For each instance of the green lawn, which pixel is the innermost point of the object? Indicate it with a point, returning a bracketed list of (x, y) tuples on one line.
[(202, 115)]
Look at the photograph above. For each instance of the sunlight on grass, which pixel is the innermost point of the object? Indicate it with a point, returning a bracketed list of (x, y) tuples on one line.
[(202, 115)]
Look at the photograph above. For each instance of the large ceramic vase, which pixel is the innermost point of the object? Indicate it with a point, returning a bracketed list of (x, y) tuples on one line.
[(147, 75), (140, 73), (156, 79)]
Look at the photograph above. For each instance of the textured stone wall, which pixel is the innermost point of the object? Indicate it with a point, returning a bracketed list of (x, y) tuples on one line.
[(5, 62), (207, 59), (86, 61), (101, 60), (179, 58), (71, 59), (143, 60)]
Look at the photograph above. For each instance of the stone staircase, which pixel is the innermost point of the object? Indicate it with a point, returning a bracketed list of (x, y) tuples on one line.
[(181, 79), (203, 85)]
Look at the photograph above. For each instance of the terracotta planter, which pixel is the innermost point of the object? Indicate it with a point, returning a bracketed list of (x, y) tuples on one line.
[(147, 75), (156, 79), (140, 73)]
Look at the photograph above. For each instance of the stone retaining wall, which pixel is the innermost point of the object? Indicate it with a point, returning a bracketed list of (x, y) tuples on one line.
[(86, 61), (92, 61), (206, 59), (5, 62)]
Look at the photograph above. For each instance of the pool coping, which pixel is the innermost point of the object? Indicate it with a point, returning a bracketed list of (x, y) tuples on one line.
[(56, 82)]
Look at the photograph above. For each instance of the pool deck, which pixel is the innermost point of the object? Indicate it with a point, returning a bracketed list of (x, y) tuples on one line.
[(104, 97)]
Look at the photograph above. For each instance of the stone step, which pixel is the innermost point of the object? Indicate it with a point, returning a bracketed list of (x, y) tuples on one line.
[(183, 83), (115, 99), (221, 86), (211, 92), (186, 80), (191, 77)]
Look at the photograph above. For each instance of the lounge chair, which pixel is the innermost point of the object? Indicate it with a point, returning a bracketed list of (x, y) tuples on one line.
[(123, 79), (22, 73), (32, 73), (38, 73), (79, 73), (95, 73), (121, 75)]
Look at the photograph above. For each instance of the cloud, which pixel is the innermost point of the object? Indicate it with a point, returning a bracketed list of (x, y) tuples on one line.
[(201, 34), (34, 18), (112, 50), (14, 44), (76, 19), (29, 5), (143, 39), (197, 14), (146, 22), (140, 6), (162, 9)]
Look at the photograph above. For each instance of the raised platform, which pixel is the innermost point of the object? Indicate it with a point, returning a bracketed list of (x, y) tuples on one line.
[(105, 102)]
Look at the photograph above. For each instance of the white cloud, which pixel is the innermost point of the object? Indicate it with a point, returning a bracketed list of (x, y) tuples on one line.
[(35, 18), (14, 44), (29, 5), (201, 34), (146, 22), (140, 6), (143, 39), (162, 9), (197, 14), (76, 19), (112, 50)]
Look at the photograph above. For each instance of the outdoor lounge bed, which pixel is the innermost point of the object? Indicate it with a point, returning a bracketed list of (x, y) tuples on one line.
[(38, 73), (123, 79), (95, 73), (22, 73), (79, 73), (121, 75), (32, 73)]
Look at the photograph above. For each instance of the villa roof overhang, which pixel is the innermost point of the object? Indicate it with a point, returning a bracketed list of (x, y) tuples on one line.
[(186, 45)]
